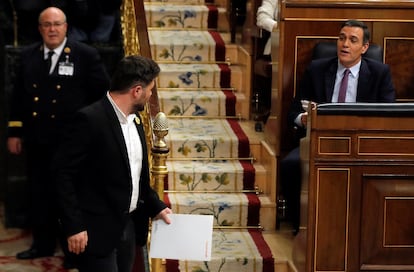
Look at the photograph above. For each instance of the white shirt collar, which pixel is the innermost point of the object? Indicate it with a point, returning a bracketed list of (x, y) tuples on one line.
[(123, 119), (58, 50), (354, 69)]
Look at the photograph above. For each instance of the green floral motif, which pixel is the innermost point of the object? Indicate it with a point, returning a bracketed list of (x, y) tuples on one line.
[(182, 108), (221, 243), (171, 84), (203, 146), (207, 268), (185, 150), (186, 77), (174, 20), (224, 243), (166, 54), (223, 262), (214, 211), (191, 183), (200, 147)]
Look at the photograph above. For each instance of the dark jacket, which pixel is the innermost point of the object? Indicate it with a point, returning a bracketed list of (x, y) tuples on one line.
[(85, 13), (94, 180), (317, 84), (42, 103)]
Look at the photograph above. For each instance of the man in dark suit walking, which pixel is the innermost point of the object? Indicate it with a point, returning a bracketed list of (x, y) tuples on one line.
[(56, 77), (102, 173), (365, 80)]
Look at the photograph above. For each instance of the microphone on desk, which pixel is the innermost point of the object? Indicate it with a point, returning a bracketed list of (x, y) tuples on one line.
[(160, 128)]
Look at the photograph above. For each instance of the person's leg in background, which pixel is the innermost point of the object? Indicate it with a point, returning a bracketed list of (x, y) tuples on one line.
[(290, 175), (102, 32), (43, 217)]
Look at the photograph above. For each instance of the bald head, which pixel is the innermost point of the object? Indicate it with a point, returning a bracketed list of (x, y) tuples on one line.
[(52, 27), (52, 10)]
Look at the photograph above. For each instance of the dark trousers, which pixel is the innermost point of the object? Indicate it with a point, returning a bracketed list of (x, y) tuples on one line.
[(43, 212), (121, 259), (290, 183)]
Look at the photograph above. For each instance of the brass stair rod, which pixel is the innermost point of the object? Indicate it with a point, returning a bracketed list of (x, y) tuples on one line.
[(213, 192), (204, 117), (213, 159), (180, 29), (192, 62), (239, 227), (195, 89)]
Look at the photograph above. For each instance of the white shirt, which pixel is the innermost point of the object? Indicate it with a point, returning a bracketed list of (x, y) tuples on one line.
[(134, 149), (55, 57), (266, 18)]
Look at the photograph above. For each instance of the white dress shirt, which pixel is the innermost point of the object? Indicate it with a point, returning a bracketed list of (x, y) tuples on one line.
[(55, 57), (134, 149)]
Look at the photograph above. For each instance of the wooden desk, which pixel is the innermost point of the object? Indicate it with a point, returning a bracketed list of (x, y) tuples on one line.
[(359, 188)]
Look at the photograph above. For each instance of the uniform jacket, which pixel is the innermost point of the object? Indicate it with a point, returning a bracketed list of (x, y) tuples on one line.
[(317, 84), (41, 103), (94, 181)]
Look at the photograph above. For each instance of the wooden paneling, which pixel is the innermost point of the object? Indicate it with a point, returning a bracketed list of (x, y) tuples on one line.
[(360, 185), (399, 55), (387, 223), (331, 224)]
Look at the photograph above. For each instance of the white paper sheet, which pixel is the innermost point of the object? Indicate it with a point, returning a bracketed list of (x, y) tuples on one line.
[(188, 237)]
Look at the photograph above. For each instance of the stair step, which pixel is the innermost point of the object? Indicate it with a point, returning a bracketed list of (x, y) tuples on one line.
[(228, 209), (211, 138), (214, 164), (188, 2), (196, 75), (186, 45), (179, 16), (196, 103), (267, 213), (231, 251), (210, 176)]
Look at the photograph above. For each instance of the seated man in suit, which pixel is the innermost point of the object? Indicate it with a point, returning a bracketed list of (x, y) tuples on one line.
[(348, 77)]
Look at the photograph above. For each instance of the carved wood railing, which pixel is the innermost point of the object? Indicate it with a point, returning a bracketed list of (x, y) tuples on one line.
[(136, 42)]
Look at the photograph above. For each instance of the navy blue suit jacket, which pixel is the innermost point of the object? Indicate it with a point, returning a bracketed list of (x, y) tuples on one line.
[(94, 182), (317, 84), (42, 103)]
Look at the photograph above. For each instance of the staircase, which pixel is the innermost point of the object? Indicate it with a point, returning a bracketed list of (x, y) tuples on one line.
[(218, 164)]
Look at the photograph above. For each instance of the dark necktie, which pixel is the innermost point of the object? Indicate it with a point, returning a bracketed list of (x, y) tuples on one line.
[(49, 60), (343, 87)]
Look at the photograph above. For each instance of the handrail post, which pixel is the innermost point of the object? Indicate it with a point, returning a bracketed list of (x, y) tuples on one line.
[(159, 171)]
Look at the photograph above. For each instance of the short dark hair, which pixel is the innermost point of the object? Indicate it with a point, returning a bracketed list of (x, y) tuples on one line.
[(356, 23), (133, 70)]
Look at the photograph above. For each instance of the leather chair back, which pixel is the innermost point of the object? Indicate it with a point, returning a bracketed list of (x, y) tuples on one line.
[(328, 50)]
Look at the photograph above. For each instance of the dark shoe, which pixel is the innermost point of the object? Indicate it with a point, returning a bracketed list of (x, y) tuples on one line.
[(69, 263), (32, 253)]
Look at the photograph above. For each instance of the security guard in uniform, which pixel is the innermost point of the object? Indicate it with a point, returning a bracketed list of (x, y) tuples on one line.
[(57, 77)]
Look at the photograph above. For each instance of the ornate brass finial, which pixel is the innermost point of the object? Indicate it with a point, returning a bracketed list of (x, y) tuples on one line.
[(160, 128)]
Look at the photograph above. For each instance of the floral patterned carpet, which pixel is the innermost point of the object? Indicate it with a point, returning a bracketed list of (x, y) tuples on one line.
[(14, 240), (210, 169), (237, 250)]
